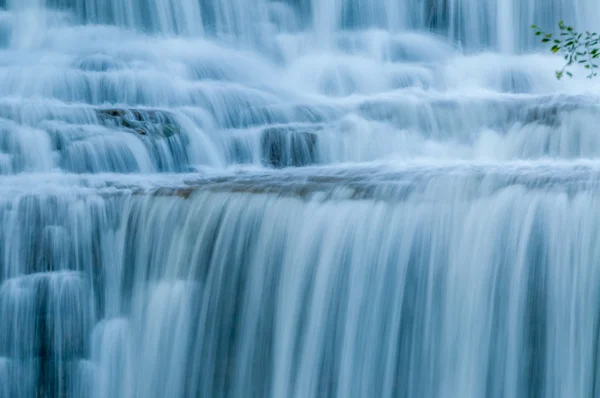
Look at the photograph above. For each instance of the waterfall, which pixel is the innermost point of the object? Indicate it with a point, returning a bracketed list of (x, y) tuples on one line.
[(296, 198)]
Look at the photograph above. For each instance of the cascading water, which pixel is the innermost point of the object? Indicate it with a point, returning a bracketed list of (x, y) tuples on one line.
[(300, 198)]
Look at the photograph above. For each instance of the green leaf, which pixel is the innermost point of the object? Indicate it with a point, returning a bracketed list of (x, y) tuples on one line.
[(575, 47)]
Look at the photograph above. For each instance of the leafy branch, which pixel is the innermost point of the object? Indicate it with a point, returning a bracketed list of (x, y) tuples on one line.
[(578, 48)]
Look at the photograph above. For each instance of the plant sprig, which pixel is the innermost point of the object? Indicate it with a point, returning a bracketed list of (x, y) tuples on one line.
[(578, 48)]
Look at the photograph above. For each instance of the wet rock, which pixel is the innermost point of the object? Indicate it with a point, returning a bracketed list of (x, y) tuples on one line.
[(152, 123), (113, 112), (182, 192), (288, 147)]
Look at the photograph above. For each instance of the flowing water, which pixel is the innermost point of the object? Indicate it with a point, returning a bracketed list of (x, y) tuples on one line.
[(296, 198)]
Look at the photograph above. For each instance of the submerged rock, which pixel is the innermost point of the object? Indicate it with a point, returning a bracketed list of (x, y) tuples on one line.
[(288, 147)]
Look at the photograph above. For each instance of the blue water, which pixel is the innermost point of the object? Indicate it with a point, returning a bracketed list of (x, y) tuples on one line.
[(300, 198)]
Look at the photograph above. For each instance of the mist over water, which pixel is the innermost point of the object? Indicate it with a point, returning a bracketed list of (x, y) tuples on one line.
[(300, 198)]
